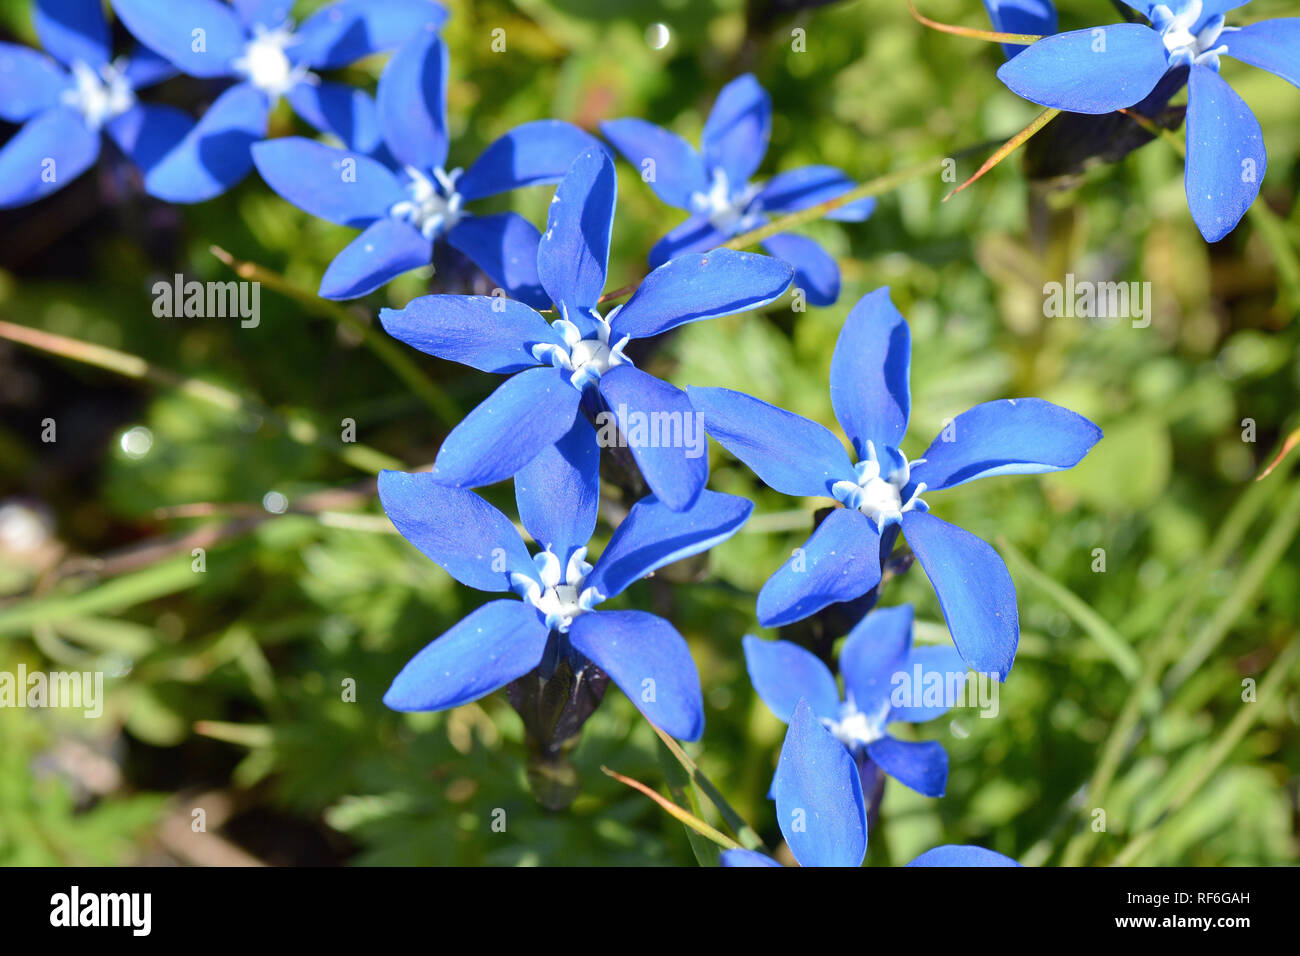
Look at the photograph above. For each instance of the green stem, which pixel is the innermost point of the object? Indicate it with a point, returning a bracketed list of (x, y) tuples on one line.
[(1269, 690), (1124, 732), (872, 187), (673, 810), (384, 348), (359, 456), (748, 836), (1109, 639)]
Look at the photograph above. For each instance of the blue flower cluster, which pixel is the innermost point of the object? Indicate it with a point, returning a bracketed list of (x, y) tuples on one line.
[(571, 390), (1114, 67)]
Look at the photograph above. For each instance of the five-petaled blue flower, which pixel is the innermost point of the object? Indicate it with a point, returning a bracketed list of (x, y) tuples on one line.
[(558, 616), (885, 678), (881, 494), (564, 372), (1103, 69), (254, 43), (713, 185), (820, 810), (65, 106), (403, 197)]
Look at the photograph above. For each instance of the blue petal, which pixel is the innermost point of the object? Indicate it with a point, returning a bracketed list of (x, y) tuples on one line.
[(495, 644), (694, 235), (263, 13), (30, 83), (529, 155), (974, 590), (455, 529), (869, 374), (558, 492), (839, 562), (345, 32), (1013, 436), (504, 246), (922, 766), (1034, 17), (736, 132), (385, 250), (1225, 154), (574, 250), (788, 452), (819, 805), (953, 855), (674, 169), (1098, 70), (1209, 10), (1272, 45), (784, 673), (148, 131), (653, 536), (172, 30), (509, 429), (646, 657), (485, 332), (73, 30), (876, 649), (347, 188), (815, 272), (694, 287), (216, 153), (745, 858), (662, 430), (413, 102), (341, 111), (48, 152), (145, 68), (942, 664), (797, 189)]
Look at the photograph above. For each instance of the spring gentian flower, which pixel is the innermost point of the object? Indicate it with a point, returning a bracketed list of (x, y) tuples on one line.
[(819, 806), (713, 184), (254, 43), (1103, 69), (878, 662), (881, 494), (567, 371), (560, 591), (405, 200), (67, 102)]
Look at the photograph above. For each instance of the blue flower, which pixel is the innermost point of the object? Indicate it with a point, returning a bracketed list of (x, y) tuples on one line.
[(1103, 69), (879, 666), (565, 371), (557, 614), (713, 184), (403, 197), (254, 43), (819, 806), (881, 494), (65, 106)]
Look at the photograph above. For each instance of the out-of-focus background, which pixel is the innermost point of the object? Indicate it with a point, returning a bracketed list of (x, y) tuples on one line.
[(226, 687)]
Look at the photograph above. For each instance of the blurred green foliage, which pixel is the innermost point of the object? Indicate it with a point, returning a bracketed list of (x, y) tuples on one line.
[(228, 687)]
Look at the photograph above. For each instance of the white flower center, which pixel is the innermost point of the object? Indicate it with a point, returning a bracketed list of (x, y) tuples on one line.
[(854, 728), (435, 206), (879, 497), (725, 208), (1175, 22), (558, 599), (266, 66), (100, 95), (586, 359)]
